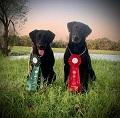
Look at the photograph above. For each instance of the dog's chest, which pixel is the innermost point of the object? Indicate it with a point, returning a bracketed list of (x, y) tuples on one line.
[(77, 48)]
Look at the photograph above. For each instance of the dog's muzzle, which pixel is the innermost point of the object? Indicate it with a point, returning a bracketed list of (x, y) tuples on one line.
[(41, 49), (76, 39)]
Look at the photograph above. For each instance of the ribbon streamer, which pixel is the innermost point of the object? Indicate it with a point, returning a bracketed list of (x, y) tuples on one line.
[(74, 75), (35, 74)]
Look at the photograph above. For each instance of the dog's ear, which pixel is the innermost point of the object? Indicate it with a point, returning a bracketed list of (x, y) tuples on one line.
[(50, 36), (32, 35), (87, 30), (70, 25)]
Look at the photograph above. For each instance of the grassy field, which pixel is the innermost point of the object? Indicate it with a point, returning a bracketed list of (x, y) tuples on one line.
[(20, 50), (101, 101)]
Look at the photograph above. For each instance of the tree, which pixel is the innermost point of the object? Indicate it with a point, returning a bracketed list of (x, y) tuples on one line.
[(12, 13), (103, 44)]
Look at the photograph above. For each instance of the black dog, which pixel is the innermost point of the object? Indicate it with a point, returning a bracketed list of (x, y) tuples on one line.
[(41, 46), (77, 45)]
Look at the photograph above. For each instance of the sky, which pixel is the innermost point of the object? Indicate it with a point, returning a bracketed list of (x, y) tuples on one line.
[(102, 16)]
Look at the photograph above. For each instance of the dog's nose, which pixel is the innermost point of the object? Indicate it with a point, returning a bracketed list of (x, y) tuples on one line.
[(76, 37), (41, 47)]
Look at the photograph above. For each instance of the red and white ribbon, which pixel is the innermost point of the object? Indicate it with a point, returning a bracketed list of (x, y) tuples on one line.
[(74, 75)]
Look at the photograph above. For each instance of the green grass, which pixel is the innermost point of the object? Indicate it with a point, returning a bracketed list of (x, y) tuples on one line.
[(104, 52), (101, 100), (21, 50)]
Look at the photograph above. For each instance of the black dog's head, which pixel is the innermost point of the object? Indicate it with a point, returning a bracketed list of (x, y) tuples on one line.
[(41, 38), (78, 31)]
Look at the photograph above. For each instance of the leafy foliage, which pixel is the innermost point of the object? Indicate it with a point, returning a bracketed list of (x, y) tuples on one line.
[(97, 44), (103, 44), (59, 44)]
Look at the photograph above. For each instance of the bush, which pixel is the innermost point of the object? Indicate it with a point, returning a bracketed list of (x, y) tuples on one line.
[(97, 44), (59, 44), (103, 44)]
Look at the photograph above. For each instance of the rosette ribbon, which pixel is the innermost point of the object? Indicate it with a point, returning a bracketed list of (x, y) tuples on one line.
[(74, 74), (35, 75)]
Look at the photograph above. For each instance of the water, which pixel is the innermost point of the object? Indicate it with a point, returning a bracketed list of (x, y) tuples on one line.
[(93, 56)]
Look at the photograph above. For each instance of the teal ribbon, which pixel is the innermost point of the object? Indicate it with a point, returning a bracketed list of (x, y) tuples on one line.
[(35, 75)]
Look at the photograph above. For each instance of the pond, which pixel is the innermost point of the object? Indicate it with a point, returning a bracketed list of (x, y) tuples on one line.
[(93, 56)]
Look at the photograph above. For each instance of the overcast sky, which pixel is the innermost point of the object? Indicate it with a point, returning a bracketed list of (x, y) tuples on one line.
[(102, 16)]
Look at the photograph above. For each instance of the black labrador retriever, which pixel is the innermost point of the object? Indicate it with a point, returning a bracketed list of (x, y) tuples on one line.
[(77, 45), (41, 46)]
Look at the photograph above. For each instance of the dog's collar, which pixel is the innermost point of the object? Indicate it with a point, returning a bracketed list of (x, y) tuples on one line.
[(79, 54)]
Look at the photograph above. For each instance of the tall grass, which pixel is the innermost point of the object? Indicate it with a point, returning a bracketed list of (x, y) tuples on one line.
[(101, 100)]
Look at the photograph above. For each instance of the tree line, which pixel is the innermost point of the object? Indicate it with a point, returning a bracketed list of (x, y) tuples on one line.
[(103, 44), (97, 44)]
